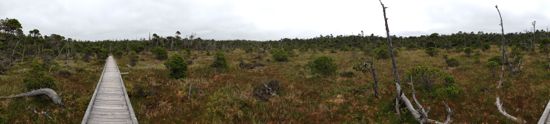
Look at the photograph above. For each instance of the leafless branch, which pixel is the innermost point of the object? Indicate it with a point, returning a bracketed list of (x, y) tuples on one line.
[(419, 114), (498, 103)]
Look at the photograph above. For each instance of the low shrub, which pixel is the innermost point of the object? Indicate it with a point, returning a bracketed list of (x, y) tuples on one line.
[(452, 62), (431, 51), (134, 58), (279, 55), (219, 61), (37, 78), (323, 65), (160, 53), (177, 66)]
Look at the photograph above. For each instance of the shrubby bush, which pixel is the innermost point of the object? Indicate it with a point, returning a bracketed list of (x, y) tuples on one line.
[(468, 51), (451, 62), (160, 53), (497, 59), (219, 61), (449, 90), (492, 65), (381, 53), (431, 51), (279, 55), (322, 65), (38, 78), (134, 58), (177, 66), (427, 78)]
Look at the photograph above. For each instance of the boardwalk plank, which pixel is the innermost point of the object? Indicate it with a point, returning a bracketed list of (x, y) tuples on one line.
[(110, 103)]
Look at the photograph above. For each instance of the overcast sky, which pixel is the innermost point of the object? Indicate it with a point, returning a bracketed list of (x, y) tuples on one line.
[(268, 19)]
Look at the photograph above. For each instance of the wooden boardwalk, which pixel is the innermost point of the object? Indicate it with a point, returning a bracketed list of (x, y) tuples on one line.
[(545, 117), (110, 103)]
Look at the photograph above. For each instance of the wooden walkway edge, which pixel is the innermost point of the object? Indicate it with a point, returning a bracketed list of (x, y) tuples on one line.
[(544, 118), (110, 102)]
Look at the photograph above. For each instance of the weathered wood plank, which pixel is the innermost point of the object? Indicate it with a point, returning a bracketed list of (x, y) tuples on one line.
[(110, 102)]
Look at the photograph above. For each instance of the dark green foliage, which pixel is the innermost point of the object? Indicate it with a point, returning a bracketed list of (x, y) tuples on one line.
[(492, 65), (468, 51), (382, 53), (279, 55), (117, 53), (219, 61), (423, 75), (160, 53), (177, 66), (452, 62), (38, 78), (323, 65), (544, 46), (431, 51), (450, 89), (496, 59), (133, 58), (485, 47)]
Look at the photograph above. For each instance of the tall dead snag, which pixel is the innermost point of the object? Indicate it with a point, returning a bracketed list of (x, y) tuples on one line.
[(534, 36), (420, 114), (498, 103)]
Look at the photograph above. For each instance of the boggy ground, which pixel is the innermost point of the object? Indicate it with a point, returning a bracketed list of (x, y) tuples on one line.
[(207, 95)]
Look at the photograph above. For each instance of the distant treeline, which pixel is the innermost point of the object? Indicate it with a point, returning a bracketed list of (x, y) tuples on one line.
[(16, 45)]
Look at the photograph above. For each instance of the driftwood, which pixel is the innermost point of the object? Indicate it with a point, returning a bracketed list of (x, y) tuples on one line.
[(43, 91), (419, 114)]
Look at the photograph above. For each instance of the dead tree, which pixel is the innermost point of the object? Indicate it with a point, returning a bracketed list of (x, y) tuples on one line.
[(498, 103), (419, 114), (534, 36)]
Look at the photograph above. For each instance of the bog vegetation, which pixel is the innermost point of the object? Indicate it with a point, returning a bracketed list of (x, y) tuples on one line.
[(189, 79)]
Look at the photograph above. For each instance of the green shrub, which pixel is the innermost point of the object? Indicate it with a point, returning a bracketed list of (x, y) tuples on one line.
[(323, 65), (37, 78), (219, 61), (425, 76), (451, 91), (468, 51), (452, 62), (279, 55), (496, 59), (134, 58), (485, 47), (492, 65), (177, 66), (431, 51), (382, 53), (160, 53)]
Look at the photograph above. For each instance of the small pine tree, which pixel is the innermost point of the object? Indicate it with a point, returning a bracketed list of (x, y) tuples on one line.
[(177, 66), (468, 51), (431, 51), (219, 61), (160, 53), (279, 55), (323, 65), (38, 78), (452, 62), (133, 58)]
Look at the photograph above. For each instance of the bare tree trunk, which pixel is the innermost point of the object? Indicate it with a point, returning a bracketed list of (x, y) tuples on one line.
[(498, 103), (394, 63), (534, 36), (421, 116), (374, 78)]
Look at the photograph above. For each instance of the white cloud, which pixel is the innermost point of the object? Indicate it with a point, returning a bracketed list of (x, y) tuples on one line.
[(268, 19)]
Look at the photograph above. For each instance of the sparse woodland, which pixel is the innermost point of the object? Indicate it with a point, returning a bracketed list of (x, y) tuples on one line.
[(464, 77)]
